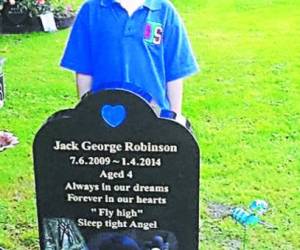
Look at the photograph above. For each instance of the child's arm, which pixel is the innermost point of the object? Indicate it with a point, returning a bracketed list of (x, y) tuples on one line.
[(175, 91), (84, 84)]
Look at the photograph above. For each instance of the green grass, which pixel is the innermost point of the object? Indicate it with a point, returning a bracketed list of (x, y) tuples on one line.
[(244, 108)]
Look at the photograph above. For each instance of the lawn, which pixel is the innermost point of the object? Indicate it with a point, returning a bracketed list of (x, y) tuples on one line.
[(244, 107)]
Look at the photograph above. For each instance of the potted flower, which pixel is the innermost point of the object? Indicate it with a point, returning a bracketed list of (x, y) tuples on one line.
[(64, 14)]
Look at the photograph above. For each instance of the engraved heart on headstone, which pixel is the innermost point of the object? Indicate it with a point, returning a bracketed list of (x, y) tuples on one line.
[(113, 115)]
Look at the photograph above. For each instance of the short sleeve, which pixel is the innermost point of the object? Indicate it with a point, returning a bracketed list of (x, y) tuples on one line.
[(77, 54), (179, 59)]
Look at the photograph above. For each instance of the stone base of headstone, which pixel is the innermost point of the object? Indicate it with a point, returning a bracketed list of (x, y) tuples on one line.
[(33, 25)]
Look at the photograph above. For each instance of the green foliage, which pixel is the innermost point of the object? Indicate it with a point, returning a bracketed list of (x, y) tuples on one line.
[(35, 7), (244, 107), (62, 8)]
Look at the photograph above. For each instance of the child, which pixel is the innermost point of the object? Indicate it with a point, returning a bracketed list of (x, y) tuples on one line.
[(131, 44)]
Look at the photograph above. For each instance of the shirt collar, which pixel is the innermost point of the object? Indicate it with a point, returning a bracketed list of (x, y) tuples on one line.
[(106, 3), (150, 4), (153, 4)]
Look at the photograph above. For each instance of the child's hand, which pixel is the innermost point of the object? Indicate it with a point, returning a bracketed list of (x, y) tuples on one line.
[(155, 107)]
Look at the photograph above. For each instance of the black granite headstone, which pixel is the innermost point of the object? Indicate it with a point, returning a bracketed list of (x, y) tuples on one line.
[(1, 23), (16, 14), (16, 19), (1, 82), (110, 174)]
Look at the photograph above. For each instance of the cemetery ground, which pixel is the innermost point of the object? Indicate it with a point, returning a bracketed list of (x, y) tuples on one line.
[(244, 107)]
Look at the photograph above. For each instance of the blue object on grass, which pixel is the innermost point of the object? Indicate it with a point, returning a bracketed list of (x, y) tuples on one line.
[(244, 218), (259, 207)]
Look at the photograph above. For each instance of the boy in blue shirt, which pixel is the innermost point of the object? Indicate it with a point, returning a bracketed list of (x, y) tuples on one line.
[(131, 44)]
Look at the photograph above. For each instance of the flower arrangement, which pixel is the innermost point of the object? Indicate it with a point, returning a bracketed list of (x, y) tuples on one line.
[(61, 9), (7, 140)]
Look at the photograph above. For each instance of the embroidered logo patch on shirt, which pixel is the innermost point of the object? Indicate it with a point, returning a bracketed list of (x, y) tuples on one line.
[(153, 33)]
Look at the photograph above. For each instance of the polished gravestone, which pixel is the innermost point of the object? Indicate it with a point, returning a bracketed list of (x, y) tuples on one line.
[(110, 174), (16, 19), (15, 14)]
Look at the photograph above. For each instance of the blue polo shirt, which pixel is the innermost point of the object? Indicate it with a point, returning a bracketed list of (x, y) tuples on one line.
[(143, 51)]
